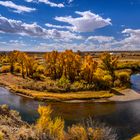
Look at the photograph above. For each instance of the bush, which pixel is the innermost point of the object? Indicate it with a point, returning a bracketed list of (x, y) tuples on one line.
[(117, 83), (107, 80), (1, 136), (5, 69), (77, 132), (38, 76), (64, 83), (91, 130), (17, 69), (103, 83), (123, 79), (40, 69), (77, 86), (136, 137), (45, 124)]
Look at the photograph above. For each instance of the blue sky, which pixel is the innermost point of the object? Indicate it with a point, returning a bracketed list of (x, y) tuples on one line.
[(86, 25)]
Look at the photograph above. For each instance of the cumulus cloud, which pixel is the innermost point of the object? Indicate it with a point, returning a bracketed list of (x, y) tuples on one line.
[(52, 4), (88, 21), (19, 27), (132, 39), (17, 8)]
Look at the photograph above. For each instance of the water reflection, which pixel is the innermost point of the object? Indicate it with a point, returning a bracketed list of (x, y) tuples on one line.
[(124, 117)]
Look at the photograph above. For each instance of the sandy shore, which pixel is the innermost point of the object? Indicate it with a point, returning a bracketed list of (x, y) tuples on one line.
[(125, 96)]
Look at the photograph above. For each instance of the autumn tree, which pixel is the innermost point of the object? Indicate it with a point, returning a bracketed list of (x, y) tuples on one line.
[(71, 63), (22, 60), (12, 59), (31, 66), (65, 64), (88, 68), (51, 59), (109, 63)]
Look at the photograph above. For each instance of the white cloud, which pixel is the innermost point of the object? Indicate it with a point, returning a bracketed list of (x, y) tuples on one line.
[(17, 8), (100, 39), (132, 39), (34, 30), (12, 45), (57, 26), (70, 1), (88, 21), (52, 4)]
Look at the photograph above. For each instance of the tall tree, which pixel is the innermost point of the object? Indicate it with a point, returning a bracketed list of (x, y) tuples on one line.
[(12, 59), (109, 63), (88, 68)]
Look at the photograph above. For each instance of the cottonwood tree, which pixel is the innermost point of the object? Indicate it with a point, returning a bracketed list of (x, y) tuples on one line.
[(88, 68), (109, 63), (12, 59)]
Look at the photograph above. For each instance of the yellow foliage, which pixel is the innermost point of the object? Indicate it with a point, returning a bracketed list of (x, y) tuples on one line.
[(77, 132), (5, 69), (1, 136), (136, 137), (88, 69), (54, 127)]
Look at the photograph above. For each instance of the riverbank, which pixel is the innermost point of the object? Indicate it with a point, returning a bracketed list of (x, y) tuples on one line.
[(14, 84), (125, 96)]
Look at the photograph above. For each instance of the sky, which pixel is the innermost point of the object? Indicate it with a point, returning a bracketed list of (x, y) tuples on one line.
[(85, 25)]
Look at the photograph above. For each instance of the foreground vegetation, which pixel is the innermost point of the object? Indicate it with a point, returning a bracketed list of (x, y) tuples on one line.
[(75, 76), (136, 137), (48, 128)]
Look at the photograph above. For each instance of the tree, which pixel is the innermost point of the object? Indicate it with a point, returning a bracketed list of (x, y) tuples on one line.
[(88, 68), (51, 59), (66, 64), (109, 63), (12, 59), (71, 64), (22, 60)]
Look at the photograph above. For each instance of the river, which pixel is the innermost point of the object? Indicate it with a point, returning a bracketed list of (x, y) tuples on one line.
[(123, 117)]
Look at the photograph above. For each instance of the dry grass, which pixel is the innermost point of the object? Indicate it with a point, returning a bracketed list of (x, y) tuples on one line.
[(15, 83)]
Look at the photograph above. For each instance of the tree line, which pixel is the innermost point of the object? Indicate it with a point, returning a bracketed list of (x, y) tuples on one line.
[(66, 65)]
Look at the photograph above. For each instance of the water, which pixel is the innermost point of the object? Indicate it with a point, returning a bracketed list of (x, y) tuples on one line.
[(123, 117)]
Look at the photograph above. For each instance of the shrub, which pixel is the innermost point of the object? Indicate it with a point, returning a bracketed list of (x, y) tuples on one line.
[(91, 130), (38, 76), (136, 137), (117, 83), (17, 69), (77, 132), (77, 86), (63, 83), (40, 69), (107, 80), (5, 69), (1, 136), (45, 124), (124, 77)]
